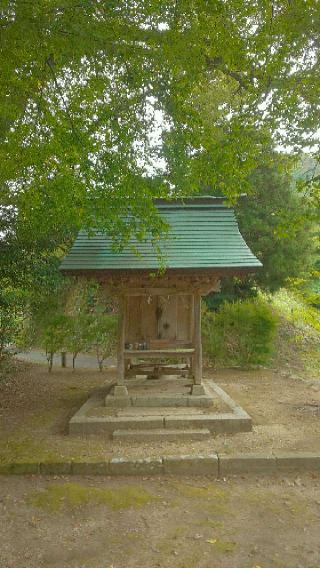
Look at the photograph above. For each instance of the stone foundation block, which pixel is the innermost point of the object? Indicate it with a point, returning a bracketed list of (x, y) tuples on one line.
[(5, 468), (90, 468), (198, 390), (159, 401), (24, 468), (191, 465), (287, 461), (147, 466), (120, 390), (160, 434), (200, 401), (63, 468), (76, 426), (218, 423), (246, 463), (117, 401)]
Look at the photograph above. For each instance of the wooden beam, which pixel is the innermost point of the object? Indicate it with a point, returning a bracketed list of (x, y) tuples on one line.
[(165, 291)]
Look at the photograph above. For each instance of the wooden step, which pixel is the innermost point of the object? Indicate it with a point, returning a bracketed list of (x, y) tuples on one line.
[(160, 434)]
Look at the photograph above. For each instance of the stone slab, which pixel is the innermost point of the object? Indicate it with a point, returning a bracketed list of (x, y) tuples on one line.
[(200, 401), (198, 390), (147, 466), (160, 434), (154, 411), (191, 465), (289, 461), (90, 468), (5, 468), (84, 422), (117, 401), (176, 465), (17, 468), (61, 468), (246, 463), (120, 390), (157, 401), (216, 423), (97, 425)]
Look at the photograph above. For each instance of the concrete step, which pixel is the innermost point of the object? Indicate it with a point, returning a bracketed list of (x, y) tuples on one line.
[(159, 401), (160, 434), (215, 423)]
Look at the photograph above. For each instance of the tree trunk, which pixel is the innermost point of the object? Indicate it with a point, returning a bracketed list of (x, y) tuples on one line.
[(63, 359), (50, 360)]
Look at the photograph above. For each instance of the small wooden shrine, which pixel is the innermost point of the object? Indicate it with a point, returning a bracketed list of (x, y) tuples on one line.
[(160, 313)]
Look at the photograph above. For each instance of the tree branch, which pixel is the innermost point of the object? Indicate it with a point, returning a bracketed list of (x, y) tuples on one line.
[(50, 62), (217, 63)]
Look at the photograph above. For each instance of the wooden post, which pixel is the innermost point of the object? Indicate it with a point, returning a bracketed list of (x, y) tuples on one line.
[(197, 388), (120, 389)]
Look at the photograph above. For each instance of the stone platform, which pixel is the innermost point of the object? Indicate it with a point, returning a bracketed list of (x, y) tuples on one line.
[(160, 410), (167, 391)]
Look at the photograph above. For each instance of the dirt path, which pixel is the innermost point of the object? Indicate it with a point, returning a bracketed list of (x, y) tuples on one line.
[(167, 523), (35, 408)]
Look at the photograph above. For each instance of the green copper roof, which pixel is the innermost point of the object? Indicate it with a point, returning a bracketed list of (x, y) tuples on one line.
[(203, 234)]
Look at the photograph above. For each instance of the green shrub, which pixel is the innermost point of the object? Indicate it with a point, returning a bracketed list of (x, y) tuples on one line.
[(240, 333), (79, 335), (54, 335), (293, 307), (103, 336)]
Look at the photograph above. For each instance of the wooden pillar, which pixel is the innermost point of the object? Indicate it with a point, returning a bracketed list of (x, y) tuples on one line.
[(197, 388), (120, 389), (197, 340)]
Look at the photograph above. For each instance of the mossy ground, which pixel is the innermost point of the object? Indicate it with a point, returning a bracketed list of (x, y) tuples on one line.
[(36, 407), (71, 495), (100, 522)]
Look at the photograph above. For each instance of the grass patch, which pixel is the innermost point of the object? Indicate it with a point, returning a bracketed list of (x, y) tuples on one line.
[(222, 546), (202, 492), (212, 497), (24, 450), (293, 307), (311, 361), (72, 495), (44, 419)]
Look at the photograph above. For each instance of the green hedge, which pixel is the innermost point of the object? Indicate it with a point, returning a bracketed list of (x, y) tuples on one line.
[(240, 333)]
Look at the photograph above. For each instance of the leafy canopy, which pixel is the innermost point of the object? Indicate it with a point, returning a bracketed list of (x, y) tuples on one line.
[(105, 104)]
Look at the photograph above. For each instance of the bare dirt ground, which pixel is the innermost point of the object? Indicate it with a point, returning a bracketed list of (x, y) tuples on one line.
[(35, 408), (160, 523)]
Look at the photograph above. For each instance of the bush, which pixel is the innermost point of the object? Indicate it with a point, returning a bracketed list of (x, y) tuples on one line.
[(293, 307), (54, 335), (240, 333), (79, 335), (103, 336)]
